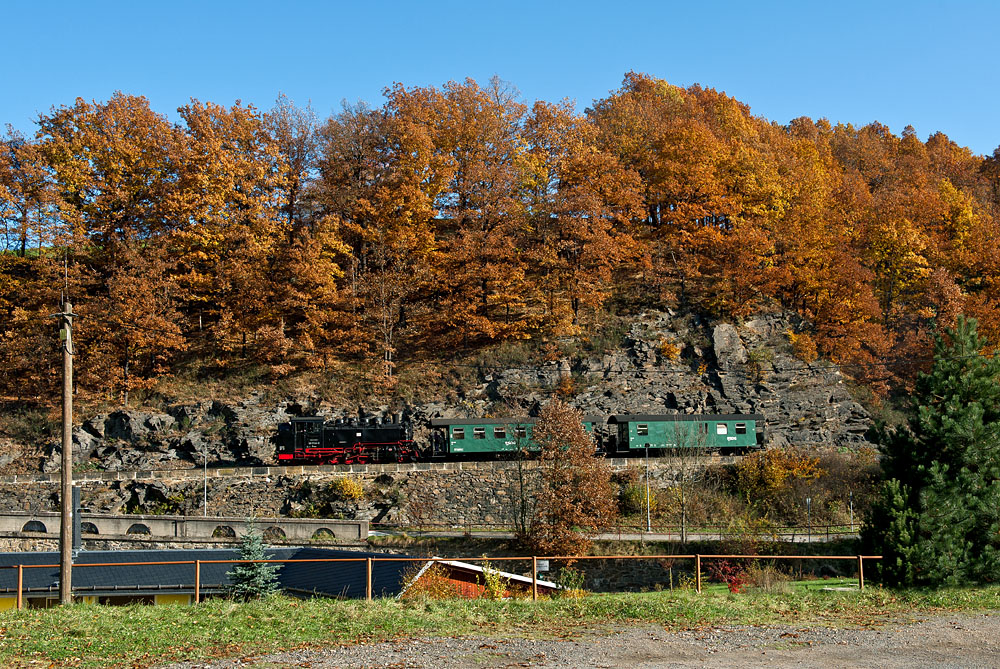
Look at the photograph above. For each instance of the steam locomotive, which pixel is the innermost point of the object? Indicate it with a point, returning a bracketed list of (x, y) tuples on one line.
[(315, 440)]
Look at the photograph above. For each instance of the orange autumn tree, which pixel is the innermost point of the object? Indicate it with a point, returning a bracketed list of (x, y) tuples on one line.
[(113, 170), (576, 498), (581, 202), (478, 158), (234, 227)]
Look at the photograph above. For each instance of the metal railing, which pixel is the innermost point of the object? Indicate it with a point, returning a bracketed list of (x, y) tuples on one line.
[(370, 561), (791, 533)]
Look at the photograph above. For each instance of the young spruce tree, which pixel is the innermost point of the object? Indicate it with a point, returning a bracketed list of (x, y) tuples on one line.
[(253, 580), (936, 520)]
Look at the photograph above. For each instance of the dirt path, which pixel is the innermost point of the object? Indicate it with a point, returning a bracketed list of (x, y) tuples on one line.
[(957, 640)]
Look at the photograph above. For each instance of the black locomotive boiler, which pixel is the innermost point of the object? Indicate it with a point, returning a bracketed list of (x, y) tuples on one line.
[(346, 441)]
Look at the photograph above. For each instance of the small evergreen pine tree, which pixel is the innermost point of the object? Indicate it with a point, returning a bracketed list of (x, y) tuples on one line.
[(936, 520), (253, 580)]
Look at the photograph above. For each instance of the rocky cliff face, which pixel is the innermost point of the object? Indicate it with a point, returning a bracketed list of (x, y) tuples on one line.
[(668, 364), (672, 364), (182, 437)]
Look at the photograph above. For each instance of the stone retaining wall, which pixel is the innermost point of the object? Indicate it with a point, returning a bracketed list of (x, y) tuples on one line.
[(453, 494)]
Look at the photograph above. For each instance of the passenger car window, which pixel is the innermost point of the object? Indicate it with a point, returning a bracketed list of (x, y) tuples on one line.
[(499, 433), (458, 433), (479, 433), (642, 429), (721, 428), (741, 428)]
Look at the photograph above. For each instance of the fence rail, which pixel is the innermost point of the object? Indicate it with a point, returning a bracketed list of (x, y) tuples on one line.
[(369, 563), (780, 532)]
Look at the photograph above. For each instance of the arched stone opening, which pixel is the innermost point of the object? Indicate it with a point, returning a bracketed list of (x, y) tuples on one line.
[(138, 528), (34, 526), (224, 532), (274, 534)]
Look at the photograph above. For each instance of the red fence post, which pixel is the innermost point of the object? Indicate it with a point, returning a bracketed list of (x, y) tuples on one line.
[(861, 573), (197, 581), (20, 587)]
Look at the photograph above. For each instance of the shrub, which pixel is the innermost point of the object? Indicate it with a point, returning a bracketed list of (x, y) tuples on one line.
[(730, 573), (669, 350), (766, 577), (632, 500), (31, 427), (495, 586), (757, 360), (348, 488), (565, 388), (745, 533), (803, 346), (570, 580), (433, 583), (761, 475)]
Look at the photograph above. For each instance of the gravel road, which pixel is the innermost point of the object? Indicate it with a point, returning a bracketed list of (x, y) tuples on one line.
[(956, 640)]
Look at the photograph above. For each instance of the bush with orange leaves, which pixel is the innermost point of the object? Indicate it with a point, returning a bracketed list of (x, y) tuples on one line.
[(761, 476), (803, 346), (433, 583)]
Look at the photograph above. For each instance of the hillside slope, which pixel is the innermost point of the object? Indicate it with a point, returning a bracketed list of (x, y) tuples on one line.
[(667, 363)]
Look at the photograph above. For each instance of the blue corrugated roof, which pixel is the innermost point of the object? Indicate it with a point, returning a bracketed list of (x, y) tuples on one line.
[(334, 579)]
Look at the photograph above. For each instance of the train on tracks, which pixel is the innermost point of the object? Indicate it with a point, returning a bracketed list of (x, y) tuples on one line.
[(316, 440)]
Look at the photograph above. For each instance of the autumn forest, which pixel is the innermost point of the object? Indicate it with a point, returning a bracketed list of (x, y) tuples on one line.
[(455, 217)]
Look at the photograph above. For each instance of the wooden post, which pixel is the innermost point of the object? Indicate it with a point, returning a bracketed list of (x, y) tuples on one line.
[(861, 573), (534, 579), (197, 581), (20, 587), (697, 572), (368, 587), (66, 474)]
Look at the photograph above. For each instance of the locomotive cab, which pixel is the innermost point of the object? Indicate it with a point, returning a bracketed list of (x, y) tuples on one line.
[(298, 436)]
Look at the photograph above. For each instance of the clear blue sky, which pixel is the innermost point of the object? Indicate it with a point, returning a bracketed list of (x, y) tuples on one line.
[(934, 65)]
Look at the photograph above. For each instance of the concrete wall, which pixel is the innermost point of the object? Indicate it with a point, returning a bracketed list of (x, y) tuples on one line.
[(299, 529)]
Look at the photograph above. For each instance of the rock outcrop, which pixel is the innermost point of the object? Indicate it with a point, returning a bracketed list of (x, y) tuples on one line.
[(668, 363)]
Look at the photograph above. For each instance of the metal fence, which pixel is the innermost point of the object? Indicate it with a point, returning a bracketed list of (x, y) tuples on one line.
[(698, 559), (791, 533)]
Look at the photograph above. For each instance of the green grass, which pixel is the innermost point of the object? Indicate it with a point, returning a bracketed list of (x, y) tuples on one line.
[(100, 636)]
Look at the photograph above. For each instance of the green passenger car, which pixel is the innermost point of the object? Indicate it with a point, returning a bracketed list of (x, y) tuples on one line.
[(486, 436), (721, 432)]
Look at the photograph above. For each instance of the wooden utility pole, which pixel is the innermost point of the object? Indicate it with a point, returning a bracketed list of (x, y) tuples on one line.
[(66, 494)]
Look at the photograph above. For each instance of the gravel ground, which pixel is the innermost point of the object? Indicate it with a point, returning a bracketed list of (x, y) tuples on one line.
[(957, 640)]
